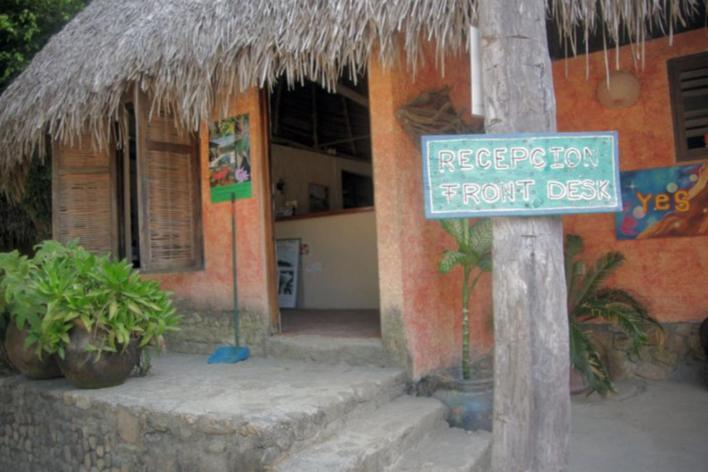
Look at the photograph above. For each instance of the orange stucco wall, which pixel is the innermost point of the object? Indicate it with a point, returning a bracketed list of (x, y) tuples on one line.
[(210, 288), (670, 274), (413, 293), (420, 307)]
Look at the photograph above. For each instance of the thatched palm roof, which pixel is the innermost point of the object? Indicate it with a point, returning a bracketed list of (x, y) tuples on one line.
[(186, 50)]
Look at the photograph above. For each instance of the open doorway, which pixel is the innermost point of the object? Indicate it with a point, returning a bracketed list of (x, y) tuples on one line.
[(324, 214)]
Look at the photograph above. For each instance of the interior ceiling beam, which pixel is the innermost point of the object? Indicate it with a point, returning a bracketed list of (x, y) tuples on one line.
[(345, 140), (352, 95)]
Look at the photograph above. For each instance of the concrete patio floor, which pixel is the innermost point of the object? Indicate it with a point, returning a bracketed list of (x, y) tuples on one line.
[(646, 427), (249, 414)]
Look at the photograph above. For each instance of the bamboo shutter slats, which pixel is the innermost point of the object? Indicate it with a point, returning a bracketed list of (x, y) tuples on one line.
[(83, 196), (169, 194)]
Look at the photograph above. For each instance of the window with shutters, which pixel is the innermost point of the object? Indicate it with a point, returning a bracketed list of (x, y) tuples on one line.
[(83, 196), (140, 201), (168, 192), (688, 81)]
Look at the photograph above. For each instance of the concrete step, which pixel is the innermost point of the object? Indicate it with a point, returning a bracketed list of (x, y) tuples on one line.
[(372, 441), (329, 350), (448, 450), (187, 415)]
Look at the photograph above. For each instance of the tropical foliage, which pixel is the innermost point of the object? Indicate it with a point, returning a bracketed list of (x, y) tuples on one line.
[(63, 287), (28, 221), (588, 300), (474, 251), (25, 26)]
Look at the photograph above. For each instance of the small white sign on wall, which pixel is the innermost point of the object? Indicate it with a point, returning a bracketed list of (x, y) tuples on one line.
[(288, 262)]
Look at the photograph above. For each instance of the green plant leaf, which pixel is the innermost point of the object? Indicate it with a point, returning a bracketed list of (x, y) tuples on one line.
[(455, 228), (480, 236), (596, 276), (451, 259), (588, 300)]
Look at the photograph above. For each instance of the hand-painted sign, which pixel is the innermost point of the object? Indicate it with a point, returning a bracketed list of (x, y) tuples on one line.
[(229, 159), (520, 174), (664, 202)]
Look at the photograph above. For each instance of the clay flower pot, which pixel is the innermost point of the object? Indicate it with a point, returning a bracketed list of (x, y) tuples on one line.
[(578, 384), (470, 403), (85, 369), (26, 359)]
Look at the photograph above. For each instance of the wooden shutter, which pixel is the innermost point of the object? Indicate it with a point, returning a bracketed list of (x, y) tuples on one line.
[(168, 193), (688, 79), (84, 196)]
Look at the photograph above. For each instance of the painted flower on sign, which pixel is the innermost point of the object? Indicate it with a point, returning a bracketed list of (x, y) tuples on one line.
[(241, 175)]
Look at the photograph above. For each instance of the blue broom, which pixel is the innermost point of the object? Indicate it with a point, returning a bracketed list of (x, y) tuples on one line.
[(228, 354)]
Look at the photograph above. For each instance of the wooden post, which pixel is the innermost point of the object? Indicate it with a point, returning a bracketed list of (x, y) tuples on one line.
[(531, 396)]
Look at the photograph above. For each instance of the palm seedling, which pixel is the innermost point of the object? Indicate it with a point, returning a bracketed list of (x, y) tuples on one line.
[(474, 251)]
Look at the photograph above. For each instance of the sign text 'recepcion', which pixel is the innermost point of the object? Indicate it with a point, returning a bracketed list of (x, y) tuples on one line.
[(520, 174)]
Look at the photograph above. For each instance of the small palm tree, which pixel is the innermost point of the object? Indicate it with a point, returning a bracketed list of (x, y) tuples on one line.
[(588, 300), (474, 250)]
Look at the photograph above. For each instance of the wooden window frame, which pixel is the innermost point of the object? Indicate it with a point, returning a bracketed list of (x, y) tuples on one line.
[(144, 146), (674, 68), (60, 170)]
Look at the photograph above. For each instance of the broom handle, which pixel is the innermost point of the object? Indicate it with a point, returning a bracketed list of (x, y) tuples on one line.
[(237, 327)]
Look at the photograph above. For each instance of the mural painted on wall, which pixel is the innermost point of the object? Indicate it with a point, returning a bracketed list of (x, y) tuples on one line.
[(664, 202), (230, 159)]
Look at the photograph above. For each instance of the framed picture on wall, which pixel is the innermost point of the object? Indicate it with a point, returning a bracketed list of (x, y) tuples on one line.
[(288, 262), (319, 197)]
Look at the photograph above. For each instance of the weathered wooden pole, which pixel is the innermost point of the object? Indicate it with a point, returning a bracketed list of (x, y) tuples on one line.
[(531, 397)]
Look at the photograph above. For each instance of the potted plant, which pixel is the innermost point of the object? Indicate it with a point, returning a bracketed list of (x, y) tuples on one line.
[(100, 315), (471, 404), (588, 300), (24, 310), (474, 251)]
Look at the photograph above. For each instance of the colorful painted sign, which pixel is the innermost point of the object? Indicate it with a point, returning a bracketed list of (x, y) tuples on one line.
[(664, 202), (520, 174), (230, 159)]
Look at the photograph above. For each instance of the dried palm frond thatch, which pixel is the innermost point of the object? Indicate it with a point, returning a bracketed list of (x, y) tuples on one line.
[(185, 51)]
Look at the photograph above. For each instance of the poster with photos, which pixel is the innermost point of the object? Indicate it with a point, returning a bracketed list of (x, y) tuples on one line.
[(230, 159), (288, 262)]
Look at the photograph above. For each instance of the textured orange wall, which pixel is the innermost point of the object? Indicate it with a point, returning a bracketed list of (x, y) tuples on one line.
[(210, 288), (409, 245), (670, 274)]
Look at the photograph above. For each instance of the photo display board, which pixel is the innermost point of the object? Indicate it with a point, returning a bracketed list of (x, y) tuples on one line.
[(230, 159)]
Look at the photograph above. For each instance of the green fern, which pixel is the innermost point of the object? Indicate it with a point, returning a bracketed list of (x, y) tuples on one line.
[(588, 300)]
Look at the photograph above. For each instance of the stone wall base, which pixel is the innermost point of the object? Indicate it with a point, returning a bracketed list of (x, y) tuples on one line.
[(201, 332), (45, 431), (677, 345)]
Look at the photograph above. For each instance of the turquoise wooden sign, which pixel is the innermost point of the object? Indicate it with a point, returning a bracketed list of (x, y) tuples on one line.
[(468, 176)]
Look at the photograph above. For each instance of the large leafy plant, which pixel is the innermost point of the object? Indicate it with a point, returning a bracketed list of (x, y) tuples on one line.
[(19, 274), (474, 255), (67, 287), (27, 307), (588, 300)]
